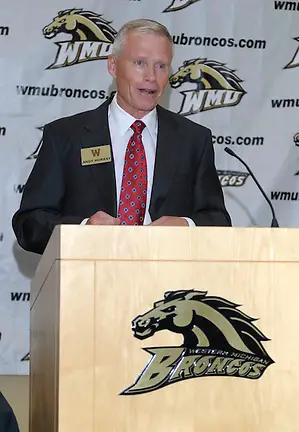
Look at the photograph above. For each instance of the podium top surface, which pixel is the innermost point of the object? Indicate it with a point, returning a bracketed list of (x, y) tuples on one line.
[(73, 242), (145, 243)]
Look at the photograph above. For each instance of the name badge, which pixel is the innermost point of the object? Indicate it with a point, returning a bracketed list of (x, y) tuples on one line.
[(96, 155)]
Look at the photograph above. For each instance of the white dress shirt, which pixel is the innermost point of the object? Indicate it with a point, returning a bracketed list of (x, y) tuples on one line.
[(120, 122), (120, 131)]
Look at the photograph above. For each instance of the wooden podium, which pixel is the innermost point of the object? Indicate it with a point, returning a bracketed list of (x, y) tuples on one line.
[(150, 329)]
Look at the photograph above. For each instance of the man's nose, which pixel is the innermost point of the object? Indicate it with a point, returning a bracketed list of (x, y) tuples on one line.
[(150, 74)]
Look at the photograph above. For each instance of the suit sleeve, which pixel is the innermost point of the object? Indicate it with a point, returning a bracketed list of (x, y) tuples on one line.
[(8, 422), (209, 207), (42, 201)]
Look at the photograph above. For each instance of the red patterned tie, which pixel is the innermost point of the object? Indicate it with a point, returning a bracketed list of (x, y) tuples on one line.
[(132, 201)]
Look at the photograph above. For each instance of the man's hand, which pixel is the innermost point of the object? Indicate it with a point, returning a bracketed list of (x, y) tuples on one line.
[(102, 218), (170, 221)]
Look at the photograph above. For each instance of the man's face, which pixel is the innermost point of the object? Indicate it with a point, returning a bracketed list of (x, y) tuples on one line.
[(141, 71)]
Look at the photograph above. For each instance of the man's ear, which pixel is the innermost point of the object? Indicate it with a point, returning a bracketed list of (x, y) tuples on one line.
[(112, 65)]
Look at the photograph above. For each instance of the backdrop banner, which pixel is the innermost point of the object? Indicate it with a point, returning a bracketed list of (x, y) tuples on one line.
[(232, 71)]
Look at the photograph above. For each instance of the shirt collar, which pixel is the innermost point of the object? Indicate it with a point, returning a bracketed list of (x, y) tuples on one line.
[(123, 120)]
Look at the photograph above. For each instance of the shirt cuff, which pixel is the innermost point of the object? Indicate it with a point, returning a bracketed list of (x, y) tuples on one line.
[(84, 222), (191, 223)]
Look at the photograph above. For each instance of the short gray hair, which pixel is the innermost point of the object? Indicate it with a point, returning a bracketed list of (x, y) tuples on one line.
[(140, 26)]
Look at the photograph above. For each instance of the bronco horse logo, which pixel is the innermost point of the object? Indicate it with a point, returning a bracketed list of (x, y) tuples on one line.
[(91, 37), (216, 85), (179, 4), (218, 339), (296, 141), (35, 153), (295, 60)]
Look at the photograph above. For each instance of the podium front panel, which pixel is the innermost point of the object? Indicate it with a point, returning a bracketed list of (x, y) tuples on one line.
[(181, 344)]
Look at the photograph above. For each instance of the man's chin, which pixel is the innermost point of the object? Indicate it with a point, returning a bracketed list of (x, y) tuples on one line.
[(146, 106)]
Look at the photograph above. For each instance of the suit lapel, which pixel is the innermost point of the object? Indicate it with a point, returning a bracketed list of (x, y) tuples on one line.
[(96, 134), (167, 157)]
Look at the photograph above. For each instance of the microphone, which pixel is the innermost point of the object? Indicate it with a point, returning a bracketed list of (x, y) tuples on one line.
[(274, 223)]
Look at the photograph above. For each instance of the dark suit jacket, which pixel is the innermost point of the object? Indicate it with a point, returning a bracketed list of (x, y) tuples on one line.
[(8, 422), (60, 190)]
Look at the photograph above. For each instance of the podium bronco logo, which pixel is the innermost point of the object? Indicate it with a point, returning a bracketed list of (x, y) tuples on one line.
[(218, 340), (91, 37), (217, 86)]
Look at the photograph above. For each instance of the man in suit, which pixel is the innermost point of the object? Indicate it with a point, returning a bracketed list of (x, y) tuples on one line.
[(8, 422), (129, 161)]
